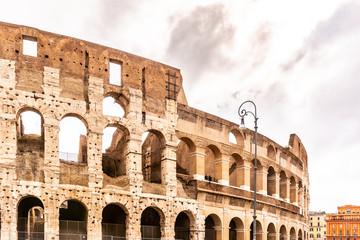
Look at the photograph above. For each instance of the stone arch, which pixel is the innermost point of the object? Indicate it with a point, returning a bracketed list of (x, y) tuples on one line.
[(259, 230), (293, 190), (271, 232), (271, 152), (213, 230), (114, 157), (183, 223), (73, 215), (300, 236), (72, 133), (212, 154), (283, 233), (152, 154), (283, 185), (152, 223), (236, 171), (271, 182), (235, 134), (30, 145), (30, 218), (184, 156), (119, 99), (292, 234), (20, 127), (236, 229), (114, 218), (112, 107)]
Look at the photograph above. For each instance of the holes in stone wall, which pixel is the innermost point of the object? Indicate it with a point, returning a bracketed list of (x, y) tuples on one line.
[(30, 46), (115, 72)]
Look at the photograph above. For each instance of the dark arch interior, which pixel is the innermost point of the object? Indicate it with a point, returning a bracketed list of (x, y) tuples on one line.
[(232, 230), (30, 219), (113, 222), (182, 227), (210, 233), (150, 224), (73, 216)]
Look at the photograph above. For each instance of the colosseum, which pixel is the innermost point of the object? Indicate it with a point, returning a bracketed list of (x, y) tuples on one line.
[(168, 170)]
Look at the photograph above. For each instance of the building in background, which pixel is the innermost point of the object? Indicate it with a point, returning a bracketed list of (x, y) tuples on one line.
[(344, 225), (317, 226)]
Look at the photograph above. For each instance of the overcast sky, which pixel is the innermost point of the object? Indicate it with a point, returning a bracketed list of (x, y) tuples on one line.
[(299, 61)]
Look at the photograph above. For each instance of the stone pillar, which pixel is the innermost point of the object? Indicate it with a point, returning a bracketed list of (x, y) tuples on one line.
[(94, 219), (277, 185), (51, 153), (244, 175), (197, 163), (51, 214), (133, 164), (294, 194), (262, 181), (287, 199), (247, 175), (94, 158), (8, 215), (168, 170), (222, 169)]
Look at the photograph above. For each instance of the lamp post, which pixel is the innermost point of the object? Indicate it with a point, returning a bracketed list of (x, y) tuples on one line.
[(242, 113)]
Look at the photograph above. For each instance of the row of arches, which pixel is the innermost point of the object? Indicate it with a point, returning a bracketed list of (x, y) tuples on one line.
[(115, 220), (272, 181), (73, 217)]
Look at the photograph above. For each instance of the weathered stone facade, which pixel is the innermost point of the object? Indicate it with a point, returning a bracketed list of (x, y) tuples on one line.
[(186, 178)]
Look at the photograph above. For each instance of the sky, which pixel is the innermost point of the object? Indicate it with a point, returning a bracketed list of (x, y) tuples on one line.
[(297, 60)]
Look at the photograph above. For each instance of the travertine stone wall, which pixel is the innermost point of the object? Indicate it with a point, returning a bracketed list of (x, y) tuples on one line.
[(70, 77)]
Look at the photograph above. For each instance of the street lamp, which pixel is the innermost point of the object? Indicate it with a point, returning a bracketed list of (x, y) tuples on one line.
[(242, 113)]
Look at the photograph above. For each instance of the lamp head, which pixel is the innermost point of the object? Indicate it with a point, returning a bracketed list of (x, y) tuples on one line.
[(242, 124)]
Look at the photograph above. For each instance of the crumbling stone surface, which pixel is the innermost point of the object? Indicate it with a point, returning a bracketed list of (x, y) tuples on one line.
[(186, 165)]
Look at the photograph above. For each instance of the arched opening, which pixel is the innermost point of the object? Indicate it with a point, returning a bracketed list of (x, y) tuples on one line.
[(152, 153), (283, 234), (292, 234), (300, 237), (72, 140), (184, 156), (236, 175), (30, 224), (73, 220), (212, 153), (112, 108), (283, 185), (236, 229), (113, 222), (293, 190), (114, 151), (271, 232), (236, 137), (259, 182), (150, 224), (30, 145), (271, 182), (258, 230), (271, 152), (212, 227), (182, 227)]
